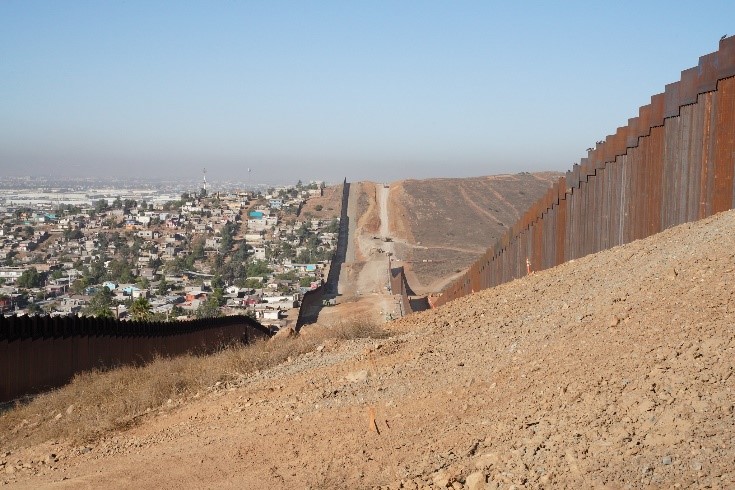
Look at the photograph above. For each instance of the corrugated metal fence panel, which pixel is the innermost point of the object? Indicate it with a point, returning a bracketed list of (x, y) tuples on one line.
[(724, 146), (673, 163), (38, 353), (706, 174)]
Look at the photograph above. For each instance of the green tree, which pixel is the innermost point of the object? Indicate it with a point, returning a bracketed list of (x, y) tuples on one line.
[(163, 287), (288, 276), (218, 261), (303, 231), (34, 309), (209, 308), (96, 271), (78, 286), (100, 305), (305, 257), (140, 310), (306, 281), (100, 206), (176, 311), (197, 248), (120, 270), (74, 234), (226, 243), (30, 278), (333, 226), (129, 204), (217, 282), (144, 283), (253, 284), (258, 268), (219, 296)]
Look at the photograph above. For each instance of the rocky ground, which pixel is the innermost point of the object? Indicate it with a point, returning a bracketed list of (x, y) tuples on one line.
[(612, 371)]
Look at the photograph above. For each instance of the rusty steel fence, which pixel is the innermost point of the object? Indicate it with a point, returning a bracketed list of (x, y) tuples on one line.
[(312, 302), (672, 164), (399, 287), (40, 353)]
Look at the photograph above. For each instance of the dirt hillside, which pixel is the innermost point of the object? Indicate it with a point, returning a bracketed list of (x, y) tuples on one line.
[(443, 225), (612, 371), (326, 207)]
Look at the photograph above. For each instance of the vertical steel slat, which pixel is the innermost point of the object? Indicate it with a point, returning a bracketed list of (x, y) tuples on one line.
[(724, 146)]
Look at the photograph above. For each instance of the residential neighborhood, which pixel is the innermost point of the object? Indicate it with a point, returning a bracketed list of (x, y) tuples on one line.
[(199, 254)]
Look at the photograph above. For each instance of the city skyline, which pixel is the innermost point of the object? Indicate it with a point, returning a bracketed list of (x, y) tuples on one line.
[(376, 91)]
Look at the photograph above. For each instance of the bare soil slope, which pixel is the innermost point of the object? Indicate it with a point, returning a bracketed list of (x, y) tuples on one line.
[(615, 371), (448, 223), (326, 207)]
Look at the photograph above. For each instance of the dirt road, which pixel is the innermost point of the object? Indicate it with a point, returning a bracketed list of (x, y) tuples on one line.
[(364, 279)]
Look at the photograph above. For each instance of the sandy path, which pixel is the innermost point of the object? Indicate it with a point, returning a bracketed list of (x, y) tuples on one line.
[(364, 280)]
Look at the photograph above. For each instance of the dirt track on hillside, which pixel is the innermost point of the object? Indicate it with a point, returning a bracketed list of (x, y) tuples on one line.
[(364, 276), (615, 371)]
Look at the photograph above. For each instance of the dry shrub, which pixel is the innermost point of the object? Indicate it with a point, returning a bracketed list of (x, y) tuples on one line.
[(267, 353), (95, 403), (355, 328)]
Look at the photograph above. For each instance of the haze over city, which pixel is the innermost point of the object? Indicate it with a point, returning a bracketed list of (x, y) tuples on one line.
[(372, 90)]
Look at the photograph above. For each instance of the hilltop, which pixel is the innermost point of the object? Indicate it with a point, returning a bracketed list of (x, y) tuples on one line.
[(611, 370)]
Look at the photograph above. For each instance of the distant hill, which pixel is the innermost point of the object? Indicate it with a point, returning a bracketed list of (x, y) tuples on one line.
[(449, 223)]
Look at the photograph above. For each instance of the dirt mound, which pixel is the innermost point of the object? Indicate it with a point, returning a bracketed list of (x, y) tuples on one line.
[(448, 223), (613, 370)]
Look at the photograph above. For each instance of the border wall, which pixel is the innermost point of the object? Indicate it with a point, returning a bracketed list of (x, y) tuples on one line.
[(41, 353), (312, 302), (672, 164), (399, 286), (410, 303)]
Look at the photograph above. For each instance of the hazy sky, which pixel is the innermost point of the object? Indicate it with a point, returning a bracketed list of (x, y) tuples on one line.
[(323, 90)]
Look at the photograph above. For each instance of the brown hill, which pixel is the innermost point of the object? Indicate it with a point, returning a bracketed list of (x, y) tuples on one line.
[(325, 207), (446, 224), (614, 370)]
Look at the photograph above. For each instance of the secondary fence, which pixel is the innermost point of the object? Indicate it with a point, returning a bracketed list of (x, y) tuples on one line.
[(672, 164), (312, 302), (40, 353), (399, 286), (410, 303)]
